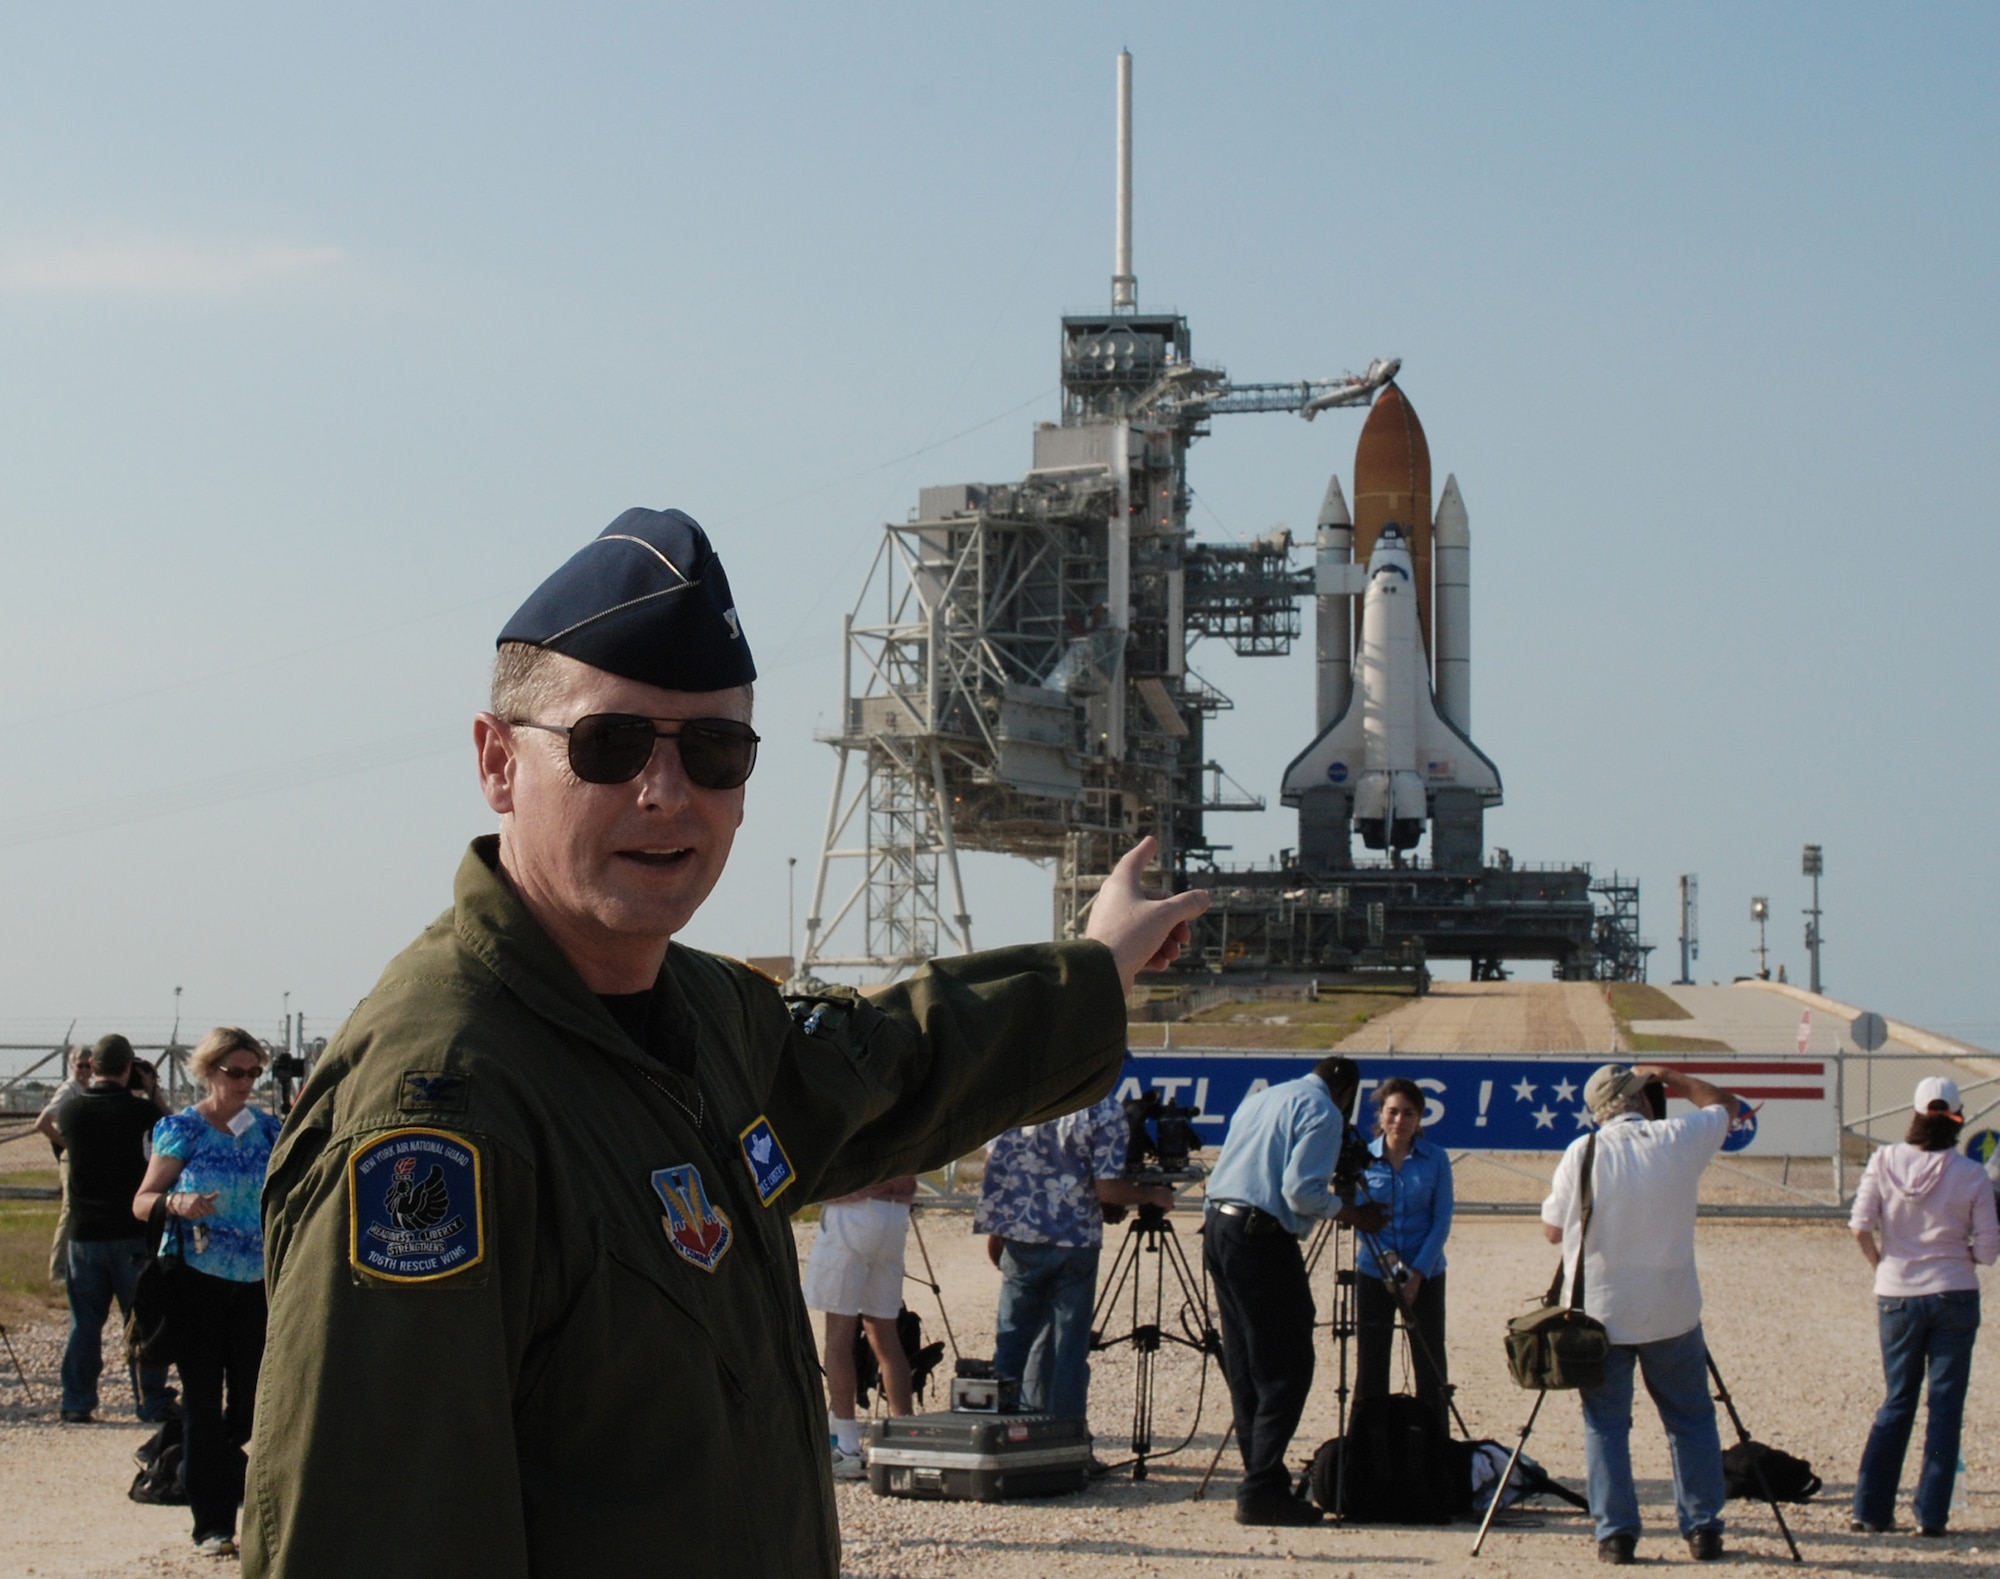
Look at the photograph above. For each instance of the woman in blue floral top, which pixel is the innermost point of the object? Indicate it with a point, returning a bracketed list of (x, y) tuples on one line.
[(208, 1167), (1412, 1177)]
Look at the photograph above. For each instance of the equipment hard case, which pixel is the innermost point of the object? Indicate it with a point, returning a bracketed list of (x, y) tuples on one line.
[(962, 1457)]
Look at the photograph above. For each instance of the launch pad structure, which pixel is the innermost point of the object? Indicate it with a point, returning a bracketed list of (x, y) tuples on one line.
[(1015, 679)]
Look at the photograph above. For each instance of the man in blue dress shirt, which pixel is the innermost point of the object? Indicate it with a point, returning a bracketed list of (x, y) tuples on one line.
[(1272, 1183)]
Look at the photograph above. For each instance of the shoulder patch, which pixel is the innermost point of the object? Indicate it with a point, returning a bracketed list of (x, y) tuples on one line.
[(770, 1169), (415, 1206), (433, 1093)]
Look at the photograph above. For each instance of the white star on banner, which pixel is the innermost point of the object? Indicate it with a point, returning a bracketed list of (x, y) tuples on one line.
[(1565, 1091), (1582, 1118), (1544, 1119), (1524, 1092)]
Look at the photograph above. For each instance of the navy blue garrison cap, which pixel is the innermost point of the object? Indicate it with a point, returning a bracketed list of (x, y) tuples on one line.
[(645, 599)]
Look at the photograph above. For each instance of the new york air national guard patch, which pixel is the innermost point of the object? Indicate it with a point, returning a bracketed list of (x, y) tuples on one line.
[(414, 1201), (695, 1227), (770, 1168)]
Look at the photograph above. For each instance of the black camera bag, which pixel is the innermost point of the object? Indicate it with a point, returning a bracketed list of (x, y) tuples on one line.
[(1789, 1479), (1405, 1467)]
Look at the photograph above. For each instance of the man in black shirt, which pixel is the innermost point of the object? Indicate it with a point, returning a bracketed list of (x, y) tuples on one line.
[(103, 1131)]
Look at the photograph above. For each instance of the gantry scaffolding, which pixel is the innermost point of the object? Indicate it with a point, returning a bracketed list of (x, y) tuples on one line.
[(1015, 675)]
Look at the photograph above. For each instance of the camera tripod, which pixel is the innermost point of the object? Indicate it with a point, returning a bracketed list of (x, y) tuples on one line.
[(1152, 1234), (1722, 1396), (1345, 1324)]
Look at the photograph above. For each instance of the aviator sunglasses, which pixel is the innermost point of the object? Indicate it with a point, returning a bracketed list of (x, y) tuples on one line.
[(614, 748)]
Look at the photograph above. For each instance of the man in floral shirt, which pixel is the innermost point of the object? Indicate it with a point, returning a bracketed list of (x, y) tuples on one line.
[(1041, 1209)]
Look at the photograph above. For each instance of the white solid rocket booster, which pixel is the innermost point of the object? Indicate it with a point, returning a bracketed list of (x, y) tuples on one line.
[(1334, 628), (1451, 619)]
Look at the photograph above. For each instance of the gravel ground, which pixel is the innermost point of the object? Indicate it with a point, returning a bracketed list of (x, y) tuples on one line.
[(1789, 1315)]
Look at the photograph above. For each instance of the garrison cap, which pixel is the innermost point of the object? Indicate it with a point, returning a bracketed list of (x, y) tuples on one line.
[(646, 599)]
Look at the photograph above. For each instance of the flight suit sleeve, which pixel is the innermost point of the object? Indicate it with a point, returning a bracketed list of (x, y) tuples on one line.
[(384, 1437), (932, 1068)]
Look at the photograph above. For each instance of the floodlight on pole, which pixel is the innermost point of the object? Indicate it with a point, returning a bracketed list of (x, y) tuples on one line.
[(1760, 912), (1690, 927), (1812, 864)]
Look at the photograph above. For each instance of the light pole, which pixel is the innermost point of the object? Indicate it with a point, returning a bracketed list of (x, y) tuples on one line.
[(1690, 927), (1812, 864), (173, 1054), (791, 893), (1760, 912)]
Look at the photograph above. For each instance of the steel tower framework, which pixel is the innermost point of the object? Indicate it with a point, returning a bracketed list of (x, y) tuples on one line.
[(1015, 674)]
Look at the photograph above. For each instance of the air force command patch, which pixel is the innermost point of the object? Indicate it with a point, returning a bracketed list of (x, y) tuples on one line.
[(770, 1168), (695, 1227), (415, 1205)]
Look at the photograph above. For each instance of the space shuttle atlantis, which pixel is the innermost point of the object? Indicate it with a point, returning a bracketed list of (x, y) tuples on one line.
[(1392, 752)]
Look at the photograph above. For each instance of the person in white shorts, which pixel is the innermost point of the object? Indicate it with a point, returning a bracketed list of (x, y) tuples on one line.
[(855, 1275)]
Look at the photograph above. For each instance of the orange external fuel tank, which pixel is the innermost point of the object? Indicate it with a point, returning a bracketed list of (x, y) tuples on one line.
[(1392, 482)]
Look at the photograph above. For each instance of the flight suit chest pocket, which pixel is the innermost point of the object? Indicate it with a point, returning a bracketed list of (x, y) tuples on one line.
[(631, 1322)]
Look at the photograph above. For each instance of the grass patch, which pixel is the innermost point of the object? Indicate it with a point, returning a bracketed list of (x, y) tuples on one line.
[(1635, 1000), (26, 1227), (1646, 1042)]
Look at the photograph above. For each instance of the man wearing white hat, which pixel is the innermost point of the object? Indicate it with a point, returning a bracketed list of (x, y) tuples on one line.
[(1639, 1280)]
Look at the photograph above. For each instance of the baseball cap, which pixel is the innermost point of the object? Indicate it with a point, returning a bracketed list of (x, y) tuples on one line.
[(1938, 1088)]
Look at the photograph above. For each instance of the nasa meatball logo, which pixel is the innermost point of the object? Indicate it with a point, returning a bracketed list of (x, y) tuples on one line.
[(1742, 1126), (1337, 772)]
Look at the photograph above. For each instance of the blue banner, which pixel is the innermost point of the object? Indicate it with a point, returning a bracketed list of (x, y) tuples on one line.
[(1519, 1102)]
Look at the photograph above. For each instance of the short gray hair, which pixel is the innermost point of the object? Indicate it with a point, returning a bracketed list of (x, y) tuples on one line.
[(526, 679)]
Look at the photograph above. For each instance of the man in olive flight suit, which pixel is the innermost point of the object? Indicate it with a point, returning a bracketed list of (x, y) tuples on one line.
[(534, 1302)]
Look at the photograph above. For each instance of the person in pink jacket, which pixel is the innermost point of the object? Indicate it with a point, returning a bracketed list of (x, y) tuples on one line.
[(1934, 1210)]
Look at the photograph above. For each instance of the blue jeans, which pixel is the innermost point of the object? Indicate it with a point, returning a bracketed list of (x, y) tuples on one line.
[(101, 1270), (1927, 1333), (1052, 1286), (1676, 1374)]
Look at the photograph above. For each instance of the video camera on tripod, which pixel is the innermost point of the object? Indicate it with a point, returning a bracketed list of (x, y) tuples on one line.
[(1162, 1141)]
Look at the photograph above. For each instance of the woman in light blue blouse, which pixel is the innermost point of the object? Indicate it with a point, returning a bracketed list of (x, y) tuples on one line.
[(1412, 1178), (208, 1167)]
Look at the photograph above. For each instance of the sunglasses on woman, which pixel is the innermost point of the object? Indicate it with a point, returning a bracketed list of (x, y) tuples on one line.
[(614, 748)]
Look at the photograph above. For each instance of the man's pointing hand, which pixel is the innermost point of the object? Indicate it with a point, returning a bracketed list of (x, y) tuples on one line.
[(1143, 933)]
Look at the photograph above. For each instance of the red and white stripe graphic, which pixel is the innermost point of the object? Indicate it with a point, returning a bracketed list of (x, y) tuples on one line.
[(1792, 1098), (1765, 1080)]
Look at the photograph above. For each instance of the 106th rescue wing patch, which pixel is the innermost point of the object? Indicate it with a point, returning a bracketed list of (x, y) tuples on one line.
[(414, 1201), (695, 1226)]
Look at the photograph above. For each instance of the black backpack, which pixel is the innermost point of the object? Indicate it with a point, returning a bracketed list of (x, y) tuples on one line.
[(1404, 1467), (923, 1357), (1789, 1479), (160, 1478)]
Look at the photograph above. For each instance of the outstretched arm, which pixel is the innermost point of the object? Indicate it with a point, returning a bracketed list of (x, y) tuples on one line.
[(1143, 933)]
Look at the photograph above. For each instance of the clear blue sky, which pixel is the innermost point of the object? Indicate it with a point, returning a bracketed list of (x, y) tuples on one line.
[(324, 336)]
